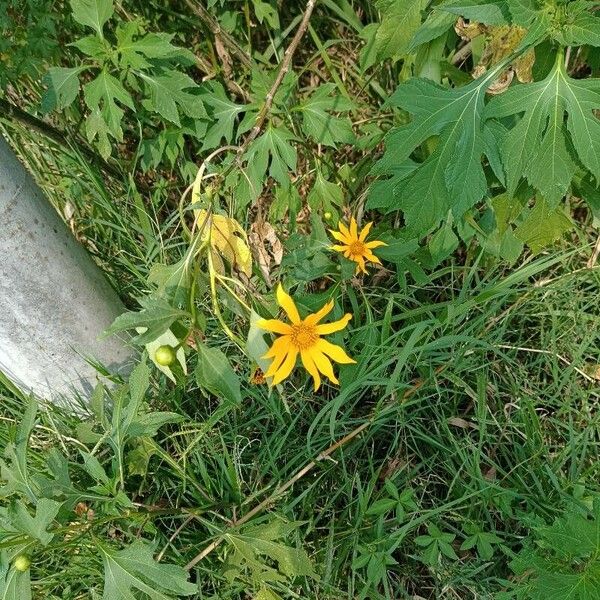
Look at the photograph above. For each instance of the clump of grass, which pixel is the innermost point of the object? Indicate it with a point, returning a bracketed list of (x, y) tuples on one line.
[(479, 395)]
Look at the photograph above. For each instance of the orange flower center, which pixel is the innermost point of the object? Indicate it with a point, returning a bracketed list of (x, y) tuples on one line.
[(304, 336), (357, 248)]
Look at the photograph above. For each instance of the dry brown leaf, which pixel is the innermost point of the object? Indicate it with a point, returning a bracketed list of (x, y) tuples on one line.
[(501, 42), (266, 247)]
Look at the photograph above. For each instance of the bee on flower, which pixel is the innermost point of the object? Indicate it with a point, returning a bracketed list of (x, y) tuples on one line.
[(354, 245), (303, 337)]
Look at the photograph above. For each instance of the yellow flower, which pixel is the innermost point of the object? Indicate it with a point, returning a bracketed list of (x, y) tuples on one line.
[(354, 245), (303, 336)]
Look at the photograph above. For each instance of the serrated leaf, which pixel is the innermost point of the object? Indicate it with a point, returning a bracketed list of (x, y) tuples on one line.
[(489, 12), (101, 96), (92, 45), (62, 87), (215, 374), (436, 24), (134, 568), (223, 112), (271, 152), (538, 146), (543, 226), (381, 506), (147, 425), (318, 123), (325, 196), (92, 13), (167, 95), (134, 52), (400, 19), (156, 317), (35, 527), (580, 26), (451, 178)]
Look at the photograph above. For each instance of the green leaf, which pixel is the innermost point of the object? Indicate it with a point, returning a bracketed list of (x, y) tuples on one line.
[(265, 12), (92, 45), (318, 123), (168, 98), (563, 562), (543, 226), (223, 112), (437, 23), (62, 87), (381, 506), (215, 374), (400, 20), (451, 178), (538, 146), (325, 196), (101, 96), (156, 317), (13, 470), (255, 542), (134, 52), (139, 382), (14, 585), (580, 26), (489, 12), (442, 243), (271, 152), (34, 527), (134, 568), (92, 13)]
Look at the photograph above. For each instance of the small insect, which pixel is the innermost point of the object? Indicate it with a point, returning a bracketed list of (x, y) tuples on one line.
[(257, 377)]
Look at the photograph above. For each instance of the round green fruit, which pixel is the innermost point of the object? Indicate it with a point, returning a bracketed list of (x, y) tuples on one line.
[(165, 355), (22, 563)]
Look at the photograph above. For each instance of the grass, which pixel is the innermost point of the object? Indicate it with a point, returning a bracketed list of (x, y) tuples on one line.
[(477, 389), (480, 388)]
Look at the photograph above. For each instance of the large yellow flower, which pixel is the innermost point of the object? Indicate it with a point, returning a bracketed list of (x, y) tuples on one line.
[(303, 336), (354, 245)]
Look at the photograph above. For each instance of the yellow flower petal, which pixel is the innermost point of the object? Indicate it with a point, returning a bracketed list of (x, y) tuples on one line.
[(286, 368), (320, 314), (353, 229), (360, 261), (370, 256), (327, 328), (274, 325), (365, 232), (339, 248), (374, 244), (344, 230), (309, 365), (334, 351), (280, 345), (277, 362), (339, 236), (285, 301), (323, 364)]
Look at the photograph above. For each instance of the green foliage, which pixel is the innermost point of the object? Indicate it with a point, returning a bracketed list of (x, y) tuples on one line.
[(561, 561), (252, 545), (145, 62), (475, 346), (134, 568)]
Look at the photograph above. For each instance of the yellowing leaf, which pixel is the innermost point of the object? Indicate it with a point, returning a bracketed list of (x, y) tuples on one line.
[(227, 239)]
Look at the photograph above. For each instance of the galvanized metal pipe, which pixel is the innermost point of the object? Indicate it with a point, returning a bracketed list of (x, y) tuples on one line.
[(54, 301)]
